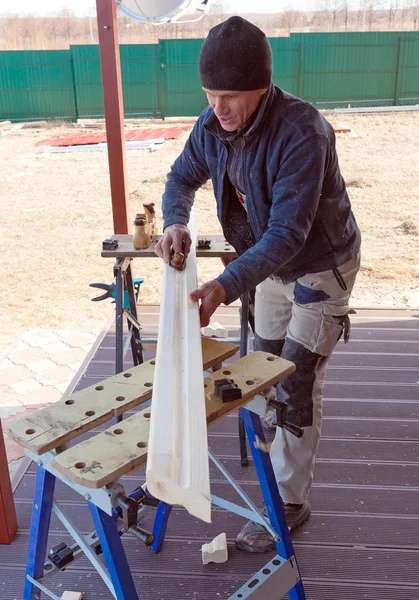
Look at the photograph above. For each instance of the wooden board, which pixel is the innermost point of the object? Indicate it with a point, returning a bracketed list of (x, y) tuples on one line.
[(56, 424), (219, 247), (177, 464), (112, 455)]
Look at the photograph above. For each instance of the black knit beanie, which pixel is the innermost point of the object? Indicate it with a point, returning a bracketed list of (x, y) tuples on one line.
[(235, 56)]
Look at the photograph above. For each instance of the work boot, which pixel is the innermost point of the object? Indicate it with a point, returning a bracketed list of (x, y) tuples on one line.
[(253, 537)]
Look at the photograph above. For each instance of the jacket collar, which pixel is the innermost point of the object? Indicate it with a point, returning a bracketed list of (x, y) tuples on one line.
[(258, 117)]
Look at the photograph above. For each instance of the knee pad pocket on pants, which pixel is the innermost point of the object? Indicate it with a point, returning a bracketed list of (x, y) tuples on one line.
[(297, 389), (272, 346)]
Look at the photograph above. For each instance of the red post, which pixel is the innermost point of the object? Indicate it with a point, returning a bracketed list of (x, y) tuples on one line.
[(114, 111), (8, 521)]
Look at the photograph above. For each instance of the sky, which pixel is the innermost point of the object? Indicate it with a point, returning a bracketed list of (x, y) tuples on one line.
[(81, 7)]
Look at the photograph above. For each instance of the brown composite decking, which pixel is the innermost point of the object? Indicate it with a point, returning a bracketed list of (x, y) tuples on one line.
[(362, 540)]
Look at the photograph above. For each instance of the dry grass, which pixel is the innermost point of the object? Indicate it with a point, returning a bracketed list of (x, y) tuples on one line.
[(56, 211)]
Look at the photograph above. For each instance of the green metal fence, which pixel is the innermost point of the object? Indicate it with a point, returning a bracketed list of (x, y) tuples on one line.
[(161, 80)]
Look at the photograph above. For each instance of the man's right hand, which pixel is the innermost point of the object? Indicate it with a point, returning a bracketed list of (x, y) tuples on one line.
[(175, 236)]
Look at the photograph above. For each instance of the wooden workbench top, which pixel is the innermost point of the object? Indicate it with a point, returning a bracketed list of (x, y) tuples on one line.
[(219, 247)]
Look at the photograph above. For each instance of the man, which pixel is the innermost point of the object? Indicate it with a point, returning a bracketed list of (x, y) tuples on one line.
[(283, 206)]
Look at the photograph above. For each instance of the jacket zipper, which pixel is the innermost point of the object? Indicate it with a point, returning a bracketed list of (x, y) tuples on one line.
[(247, 194)]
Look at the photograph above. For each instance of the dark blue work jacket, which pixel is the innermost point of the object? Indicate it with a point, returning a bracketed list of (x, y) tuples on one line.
[(298, 218)]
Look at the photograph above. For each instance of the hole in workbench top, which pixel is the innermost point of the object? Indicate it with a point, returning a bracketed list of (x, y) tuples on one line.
[(47, 567), (148, 384), (266, 571), (30, 431), (118, 431), (120, 398), (147, 415), (69, 402), (152, 362), (250, 382), (80, 465), (99, 388), (226, 372), (276, 562), (142, 445), (271, 358), (127, 374), (89, 413)]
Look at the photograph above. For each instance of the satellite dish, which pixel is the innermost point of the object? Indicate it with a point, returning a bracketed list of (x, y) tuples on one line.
[(164, 11)]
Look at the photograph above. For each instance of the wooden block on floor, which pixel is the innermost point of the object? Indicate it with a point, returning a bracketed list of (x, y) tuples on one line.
[(58, 423), (72, 596), (122, 448), (216, 551)]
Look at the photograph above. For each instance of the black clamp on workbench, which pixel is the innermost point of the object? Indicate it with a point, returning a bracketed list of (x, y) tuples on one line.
[(281, 409), (227, 390)]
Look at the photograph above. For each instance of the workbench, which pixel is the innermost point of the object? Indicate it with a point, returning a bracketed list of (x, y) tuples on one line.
[(93, 467)]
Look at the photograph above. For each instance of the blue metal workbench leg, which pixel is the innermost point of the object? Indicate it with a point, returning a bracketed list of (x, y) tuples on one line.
[(38, 537), (114, 554), (160, 526), (270, 492)]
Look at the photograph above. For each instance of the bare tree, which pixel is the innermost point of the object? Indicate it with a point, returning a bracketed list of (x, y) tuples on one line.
[(370, 10), (345, 13), (415, 14), (392, 13)]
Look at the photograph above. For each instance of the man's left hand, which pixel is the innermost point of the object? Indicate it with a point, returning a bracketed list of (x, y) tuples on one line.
[(211, 294)]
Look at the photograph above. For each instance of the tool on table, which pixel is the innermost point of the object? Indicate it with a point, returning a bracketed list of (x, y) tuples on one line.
[(227, 390), (109, 244), (110, 291), (203, 244), (145, 227)]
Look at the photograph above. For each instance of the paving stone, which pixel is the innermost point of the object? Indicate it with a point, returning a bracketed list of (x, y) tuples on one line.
[(39, 337), (14, 374), (87, 348), (47, 394), (14, 451), (25, 356), (41, 365), (55, 376), (5, 393), (55, 348), (26, 385), (5, 364), (75, 366), (69, 356), (77, 340), (9, 409), (62, 387)]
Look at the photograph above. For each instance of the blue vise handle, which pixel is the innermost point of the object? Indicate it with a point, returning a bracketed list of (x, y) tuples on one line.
[(110, 290)]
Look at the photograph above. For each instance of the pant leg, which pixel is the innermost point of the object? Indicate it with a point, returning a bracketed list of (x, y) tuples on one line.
[(319, 309), (273, 309)]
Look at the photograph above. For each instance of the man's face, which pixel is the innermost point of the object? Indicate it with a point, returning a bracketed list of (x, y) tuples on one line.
[(234, 109)]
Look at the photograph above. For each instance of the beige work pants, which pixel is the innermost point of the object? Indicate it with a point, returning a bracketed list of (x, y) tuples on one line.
[(302, 321)]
